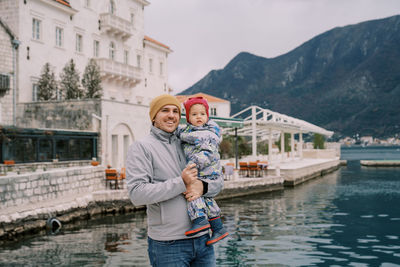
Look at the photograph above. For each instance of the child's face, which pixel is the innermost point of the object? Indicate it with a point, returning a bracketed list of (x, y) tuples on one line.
[(198, 115)]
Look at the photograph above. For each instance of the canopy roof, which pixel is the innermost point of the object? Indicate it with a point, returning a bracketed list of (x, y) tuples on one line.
[(229, 123), (264, 120)]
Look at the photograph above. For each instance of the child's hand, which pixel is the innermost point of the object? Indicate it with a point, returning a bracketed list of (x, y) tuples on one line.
[(189, 174)]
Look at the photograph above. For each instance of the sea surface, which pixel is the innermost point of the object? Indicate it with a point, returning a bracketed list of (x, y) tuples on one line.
[(347, 218)]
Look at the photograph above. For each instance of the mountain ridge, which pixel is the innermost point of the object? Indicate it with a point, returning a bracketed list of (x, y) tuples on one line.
[(346, 79)]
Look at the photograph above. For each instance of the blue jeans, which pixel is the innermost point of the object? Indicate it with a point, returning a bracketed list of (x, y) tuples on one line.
[(183, 252)]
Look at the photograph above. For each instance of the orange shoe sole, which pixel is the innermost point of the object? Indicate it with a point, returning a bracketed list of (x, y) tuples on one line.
[(195, 231), (210, 242)]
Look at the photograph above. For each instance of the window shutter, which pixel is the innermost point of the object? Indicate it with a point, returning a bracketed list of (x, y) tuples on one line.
[(4, 82)]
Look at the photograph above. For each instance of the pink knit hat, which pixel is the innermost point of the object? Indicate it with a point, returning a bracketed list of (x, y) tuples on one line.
[(192, 101)]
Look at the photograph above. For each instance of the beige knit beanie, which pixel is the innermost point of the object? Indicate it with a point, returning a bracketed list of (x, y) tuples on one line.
[(160, 101)]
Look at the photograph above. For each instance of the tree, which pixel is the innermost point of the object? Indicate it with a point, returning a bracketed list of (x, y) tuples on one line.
[(70, 81), (243, 146), (227, 147), (287, 143), (47, 85), (226, 150), (262, 147), (91, 80), (319, 141)]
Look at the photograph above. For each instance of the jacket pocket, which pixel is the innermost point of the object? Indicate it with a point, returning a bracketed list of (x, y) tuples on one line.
[(154, 214)]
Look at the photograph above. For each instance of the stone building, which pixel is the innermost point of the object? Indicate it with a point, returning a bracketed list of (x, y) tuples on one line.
[(8, 50), (133, 67)]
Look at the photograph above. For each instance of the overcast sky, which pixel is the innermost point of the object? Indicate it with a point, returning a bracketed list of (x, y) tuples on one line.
[(207, 34)]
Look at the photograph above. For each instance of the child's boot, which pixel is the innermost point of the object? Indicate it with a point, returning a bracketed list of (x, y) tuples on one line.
[(218, 230), (198, 225)]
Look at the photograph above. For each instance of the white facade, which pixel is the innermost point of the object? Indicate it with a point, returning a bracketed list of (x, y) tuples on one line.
[(134, 67), (218, 107)]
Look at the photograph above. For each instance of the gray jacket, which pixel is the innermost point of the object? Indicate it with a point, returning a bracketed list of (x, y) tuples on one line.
[(153, 168)]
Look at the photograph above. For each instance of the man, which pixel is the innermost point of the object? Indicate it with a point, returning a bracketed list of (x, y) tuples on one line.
[(157, 176)]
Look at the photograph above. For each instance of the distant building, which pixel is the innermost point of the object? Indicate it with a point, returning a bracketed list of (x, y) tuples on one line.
[(366, 140), (218, 107), (134, 67)]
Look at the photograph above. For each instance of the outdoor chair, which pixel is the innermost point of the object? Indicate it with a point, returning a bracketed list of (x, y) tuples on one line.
[(244, 169), (264, 167), (254, 168), (112, 178), (122, 176), (123, 173)]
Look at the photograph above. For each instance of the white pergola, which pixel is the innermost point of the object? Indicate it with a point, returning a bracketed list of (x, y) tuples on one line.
[(266, 124)]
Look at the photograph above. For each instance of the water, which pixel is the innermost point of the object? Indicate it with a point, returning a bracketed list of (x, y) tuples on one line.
[(371, 153), (347, 218)]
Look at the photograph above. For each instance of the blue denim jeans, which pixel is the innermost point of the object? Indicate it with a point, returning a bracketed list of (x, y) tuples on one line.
[(183, 252)]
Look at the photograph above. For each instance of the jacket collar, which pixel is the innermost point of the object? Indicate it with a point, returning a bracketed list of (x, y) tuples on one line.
[(162, 135), (209, 126)]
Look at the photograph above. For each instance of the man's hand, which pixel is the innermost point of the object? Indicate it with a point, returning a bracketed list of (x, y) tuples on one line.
[(194, 190), (189, 174)]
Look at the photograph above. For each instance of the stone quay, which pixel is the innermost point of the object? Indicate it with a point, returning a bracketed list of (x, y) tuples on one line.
[(73, 193)]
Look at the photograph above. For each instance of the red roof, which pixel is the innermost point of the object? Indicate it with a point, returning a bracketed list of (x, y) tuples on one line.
[(63, 2), (147, 38)]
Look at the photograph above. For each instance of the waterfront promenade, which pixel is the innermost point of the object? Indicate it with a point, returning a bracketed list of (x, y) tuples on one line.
[(74, 193)]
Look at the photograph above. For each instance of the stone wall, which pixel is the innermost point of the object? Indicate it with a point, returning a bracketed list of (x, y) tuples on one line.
[(21, 168), (9, 14), (6, 67), (66, 114), (296, 176), (17, 191), (320, 153)]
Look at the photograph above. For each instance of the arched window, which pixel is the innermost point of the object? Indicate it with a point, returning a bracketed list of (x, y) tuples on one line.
[(112, 7), (112, 51)]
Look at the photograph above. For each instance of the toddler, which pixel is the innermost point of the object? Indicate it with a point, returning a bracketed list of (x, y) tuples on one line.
[(200, 139)]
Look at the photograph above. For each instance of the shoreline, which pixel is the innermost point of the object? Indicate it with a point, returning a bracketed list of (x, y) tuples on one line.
[(28, 220)]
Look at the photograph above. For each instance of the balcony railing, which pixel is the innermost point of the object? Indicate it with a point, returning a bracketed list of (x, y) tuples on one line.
[(115, 26), (119, 72)]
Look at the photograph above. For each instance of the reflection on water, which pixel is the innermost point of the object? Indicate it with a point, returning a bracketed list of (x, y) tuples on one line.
[(347, 218), (342, 219), (109, 241), (280, 228)]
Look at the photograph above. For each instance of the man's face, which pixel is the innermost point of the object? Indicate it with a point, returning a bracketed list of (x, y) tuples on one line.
[(167, 118)]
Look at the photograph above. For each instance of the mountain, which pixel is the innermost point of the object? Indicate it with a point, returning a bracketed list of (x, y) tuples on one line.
[(346, 80)]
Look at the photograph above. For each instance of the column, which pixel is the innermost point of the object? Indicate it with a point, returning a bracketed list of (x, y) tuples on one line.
[(282, 145), (254, 131), (270, 146), (292, 144), (236, 149), (301, 145)]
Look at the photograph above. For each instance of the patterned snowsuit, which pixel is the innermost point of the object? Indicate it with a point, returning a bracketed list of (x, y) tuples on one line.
[(200, 145)]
